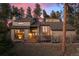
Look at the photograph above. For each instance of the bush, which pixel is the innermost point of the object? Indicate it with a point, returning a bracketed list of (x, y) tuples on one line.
[(5, 40)]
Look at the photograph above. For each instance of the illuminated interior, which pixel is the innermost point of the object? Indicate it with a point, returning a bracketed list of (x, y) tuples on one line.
[(19, 34), (46, 30), (33, 35), (30, 35)]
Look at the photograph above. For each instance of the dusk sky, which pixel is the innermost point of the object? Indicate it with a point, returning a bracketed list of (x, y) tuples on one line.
[(47, 6)]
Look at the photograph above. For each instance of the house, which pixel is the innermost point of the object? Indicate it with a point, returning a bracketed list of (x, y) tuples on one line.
[(24, 30), (20, 29)]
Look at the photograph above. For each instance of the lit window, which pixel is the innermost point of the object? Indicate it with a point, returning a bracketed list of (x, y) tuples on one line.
[(19, 34), (30, 35), (46, 30)]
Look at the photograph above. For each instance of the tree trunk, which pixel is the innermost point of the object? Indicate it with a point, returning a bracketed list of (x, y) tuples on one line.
[(64, 29)]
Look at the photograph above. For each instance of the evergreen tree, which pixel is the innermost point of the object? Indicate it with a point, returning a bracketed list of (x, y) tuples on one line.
[(5, 40), (37, 10), (53, 14), (45, 14), (28, 13), (21, 12), (15, 11), (73, 17), (37, 13), (6, 10), (58, 15)]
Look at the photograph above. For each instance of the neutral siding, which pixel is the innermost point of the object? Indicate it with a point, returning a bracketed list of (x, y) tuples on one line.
[(60, 33)]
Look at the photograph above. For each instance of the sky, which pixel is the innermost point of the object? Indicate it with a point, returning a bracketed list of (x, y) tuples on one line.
[(47, 6)]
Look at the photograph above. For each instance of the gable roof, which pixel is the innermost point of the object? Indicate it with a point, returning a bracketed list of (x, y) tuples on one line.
[(55, 26), (23, 20), (58, 26)]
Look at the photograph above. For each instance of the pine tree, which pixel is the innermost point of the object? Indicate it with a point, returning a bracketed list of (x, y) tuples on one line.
[(6, 10), (58, 15), (15, 12), (5, 40), (45, 14), (53, 14), (28, 13), (21, 12), (37, 10), (73, 17)]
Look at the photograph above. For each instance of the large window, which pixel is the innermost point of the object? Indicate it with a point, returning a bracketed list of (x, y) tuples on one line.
[(35, 32), (19, 34), (33, 35), (46, 30)]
